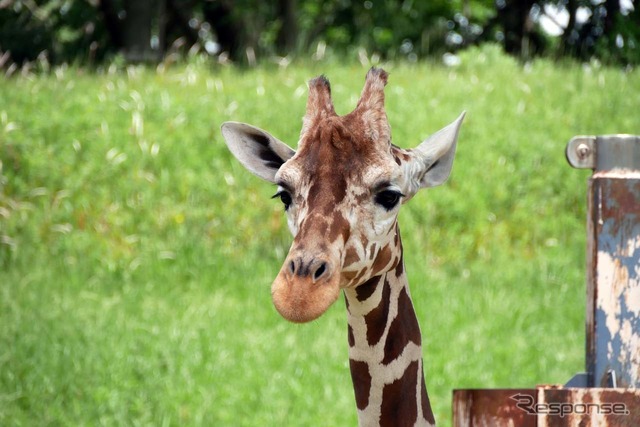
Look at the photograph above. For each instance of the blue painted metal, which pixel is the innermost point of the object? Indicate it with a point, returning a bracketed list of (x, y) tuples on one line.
[(613, 287), (613, 257)]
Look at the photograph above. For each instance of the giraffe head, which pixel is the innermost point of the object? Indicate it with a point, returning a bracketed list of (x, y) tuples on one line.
[(341, 189)]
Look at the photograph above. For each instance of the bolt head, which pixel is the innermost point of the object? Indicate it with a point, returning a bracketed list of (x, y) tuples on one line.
[(583, 151)]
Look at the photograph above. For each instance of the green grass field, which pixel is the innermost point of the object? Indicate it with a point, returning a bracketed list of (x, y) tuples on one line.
[(136, 256)]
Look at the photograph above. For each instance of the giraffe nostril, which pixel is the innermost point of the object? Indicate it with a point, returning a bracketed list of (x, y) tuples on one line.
[(314, 268), (322, 268)]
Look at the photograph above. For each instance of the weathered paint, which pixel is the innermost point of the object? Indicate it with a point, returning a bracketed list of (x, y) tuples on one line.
[(613, 278), (487, 408), (613, 309), (546, 406), (588, 407)]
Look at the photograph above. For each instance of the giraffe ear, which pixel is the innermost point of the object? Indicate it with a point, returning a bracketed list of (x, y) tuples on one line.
[(432, 160), (258, 151)]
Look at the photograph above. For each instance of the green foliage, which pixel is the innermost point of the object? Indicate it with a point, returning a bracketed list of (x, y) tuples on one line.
[(624, 47), (90, 32), (136, 255), (60, 31), (410, 30)]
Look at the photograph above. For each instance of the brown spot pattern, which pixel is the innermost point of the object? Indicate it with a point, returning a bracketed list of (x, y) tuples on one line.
[(361, 382), (404, 329), (382, 260), (364, 291), (399, 403), (350, 256), (376, 319), (350, 339), (372, 251), (400, 266)]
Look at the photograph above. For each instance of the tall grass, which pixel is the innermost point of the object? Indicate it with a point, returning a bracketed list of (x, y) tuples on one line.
[(136, 255)]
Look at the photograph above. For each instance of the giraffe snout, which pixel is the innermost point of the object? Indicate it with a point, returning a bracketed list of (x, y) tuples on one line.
[(305, 287)]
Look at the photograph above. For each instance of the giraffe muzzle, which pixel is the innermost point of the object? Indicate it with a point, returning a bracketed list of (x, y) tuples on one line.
[(305, 287)]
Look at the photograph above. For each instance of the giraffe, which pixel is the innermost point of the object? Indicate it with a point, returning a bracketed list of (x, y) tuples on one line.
[(341, 190)]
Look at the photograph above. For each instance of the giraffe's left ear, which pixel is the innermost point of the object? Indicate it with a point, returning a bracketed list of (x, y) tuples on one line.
[(431, 161), (258, 151)]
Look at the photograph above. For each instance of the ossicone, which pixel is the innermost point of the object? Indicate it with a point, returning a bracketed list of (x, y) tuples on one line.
[(372, 96), (319, 103), (370, 109)]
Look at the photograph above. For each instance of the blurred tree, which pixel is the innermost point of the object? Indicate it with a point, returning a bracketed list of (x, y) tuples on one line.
[(288, 31), (227, 25), (23, 33), (137, 37), (517, 26), (243, 30), (609, 32), (112, 21)]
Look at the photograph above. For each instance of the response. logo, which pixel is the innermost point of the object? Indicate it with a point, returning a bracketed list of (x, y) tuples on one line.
[(527, 403)]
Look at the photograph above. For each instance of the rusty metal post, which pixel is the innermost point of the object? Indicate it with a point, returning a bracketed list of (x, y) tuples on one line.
[(609, 393), (613, 257)]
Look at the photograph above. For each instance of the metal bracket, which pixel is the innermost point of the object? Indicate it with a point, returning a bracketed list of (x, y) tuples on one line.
[(605, 152), (581, 152)]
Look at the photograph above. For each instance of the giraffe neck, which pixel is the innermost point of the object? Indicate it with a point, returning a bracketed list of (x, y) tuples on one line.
[(385, 353)]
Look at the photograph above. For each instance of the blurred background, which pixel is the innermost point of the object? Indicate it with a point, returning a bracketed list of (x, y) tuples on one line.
[(244, 31), (136, 255)]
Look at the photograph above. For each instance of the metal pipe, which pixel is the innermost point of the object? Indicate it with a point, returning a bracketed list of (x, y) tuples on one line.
[(613, 257)]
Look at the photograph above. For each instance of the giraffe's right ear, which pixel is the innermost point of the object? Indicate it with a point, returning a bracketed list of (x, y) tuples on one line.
[(259, 152)]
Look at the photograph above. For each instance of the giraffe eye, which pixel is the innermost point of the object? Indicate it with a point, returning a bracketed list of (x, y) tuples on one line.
[(388, 199), (285, 198)]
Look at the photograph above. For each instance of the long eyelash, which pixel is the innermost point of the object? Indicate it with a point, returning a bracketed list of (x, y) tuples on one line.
[(285, 198)]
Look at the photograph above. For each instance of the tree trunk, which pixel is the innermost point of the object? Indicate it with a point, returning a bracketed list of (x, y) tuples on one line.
[(288, 33), (136, 33), (230, 34), (112, 23), (179, 15), (568, 33), (613, 10), (513, 16)]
